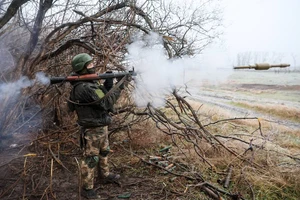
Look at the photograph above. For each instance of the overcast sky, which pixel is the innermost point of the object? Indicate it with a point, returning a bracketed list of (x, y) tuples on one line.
[(260, 25)]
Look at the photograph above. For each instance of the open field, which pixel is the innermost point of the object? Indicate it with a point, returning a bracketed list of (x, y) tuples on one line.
[(272, 98), (265, 94)]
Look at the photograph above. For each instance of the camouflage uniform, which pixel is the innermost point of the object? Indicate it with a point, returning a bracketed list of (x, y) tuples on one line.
[(95, 141), (92, 106)]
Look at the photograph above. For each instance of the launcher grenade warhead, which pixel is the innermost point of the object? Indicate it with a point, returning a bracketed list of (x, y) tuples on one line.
[(262, 66)]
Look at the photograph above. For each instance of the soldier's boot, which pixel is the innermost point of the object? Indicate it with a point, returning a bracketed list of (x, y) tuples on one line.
[(90, 194), (111, 178), (104, 175)]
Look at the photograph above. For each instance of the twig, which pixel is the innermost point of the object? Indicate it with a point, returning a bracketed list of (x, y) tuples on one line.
[(24, 173), (227, 180), (210, 193), (163, 168), (79, 179), (231, 119), (51, 175), (207, 185), (56, 159)]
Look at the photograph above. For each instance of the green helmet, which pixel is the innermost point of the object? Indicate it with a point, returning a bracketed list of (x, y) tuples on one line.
[(80, 60)]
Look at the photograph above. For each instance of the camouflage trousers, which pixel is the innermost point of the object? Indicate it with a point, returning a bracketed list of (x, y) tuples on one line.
[(95, 146)]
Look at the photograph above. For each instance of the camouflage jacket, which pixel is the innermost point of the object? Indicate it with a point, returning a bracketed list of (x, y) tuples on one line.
[(91, 105)]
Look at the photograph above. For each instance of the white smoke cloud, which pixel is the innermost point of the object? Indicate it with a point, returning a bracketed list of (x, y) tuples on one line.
[(11, 105), (41, 78), (158, 75), (13, 89)]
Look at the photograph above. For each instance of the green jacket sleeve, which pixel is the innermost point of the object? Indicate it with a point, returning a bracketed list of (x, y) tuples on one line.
[(96, 95)]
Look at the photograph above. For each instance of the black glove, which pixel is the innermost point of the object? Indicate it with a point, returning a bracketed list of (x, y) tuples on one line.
[(109, 82)]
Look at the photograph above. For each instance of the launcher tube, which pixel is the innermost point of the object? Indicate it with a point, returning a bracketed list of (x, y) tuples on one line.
[(89, 77)]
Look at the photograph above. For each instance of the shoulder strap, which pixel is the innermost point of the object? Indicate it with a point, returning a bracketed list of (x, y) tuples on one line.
[(105, 96)]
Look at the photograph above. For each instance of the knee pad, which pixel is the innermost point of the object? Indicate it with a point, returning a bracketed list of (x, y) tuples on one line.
[(91, 161), (105, 152)]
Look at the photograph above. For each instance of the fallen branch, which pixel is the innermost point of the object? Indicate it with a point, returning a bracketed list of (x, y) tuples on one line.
[(57, 159), (227, 180)]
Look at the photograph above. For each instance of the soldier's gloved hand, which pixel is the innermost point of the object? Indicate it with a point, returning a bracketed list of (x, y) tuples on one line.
[(128, 78), (109, 82)]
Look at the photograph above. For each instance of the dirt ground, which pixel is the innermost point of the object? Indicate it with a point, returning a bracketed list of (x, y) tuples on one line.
[(41, 177), (24, 176)]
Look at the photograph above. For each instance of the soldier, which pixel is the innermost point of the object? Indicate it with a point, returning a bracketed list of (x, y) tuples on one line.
[(92, 103)]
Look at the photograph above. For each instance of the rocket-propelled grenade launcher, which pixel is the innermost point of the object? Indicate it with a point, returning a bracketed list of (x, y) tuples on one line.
[(261, 66), (89, 77)]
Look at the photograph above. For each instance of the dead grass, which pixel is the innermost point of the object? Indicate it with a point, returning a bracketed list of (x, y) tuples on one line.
[(275, 151), (281, 111), (276, 179)]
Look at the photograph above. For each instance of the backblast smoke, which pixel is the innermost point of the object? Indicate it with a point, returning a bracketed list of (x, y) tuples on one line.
[(12, 102)]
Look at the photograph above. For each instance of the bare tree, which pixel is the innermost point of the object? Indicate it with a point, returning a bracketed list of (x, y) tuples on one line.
[(44, 35), (11, 11), (62, 25), (250, 58)]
